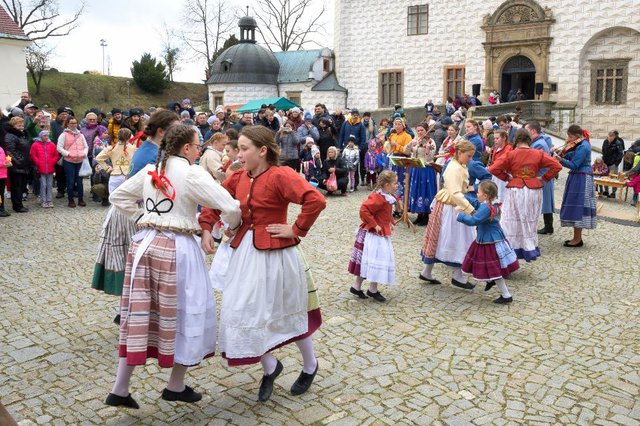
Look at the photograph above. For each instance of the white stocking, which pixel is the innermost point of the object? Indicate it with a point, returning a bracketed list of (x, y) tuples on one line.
[(358, 284), (269, 363), (123, 377), (176, 380), (458, 275), (426, 272), (308, 355), (503, 288)]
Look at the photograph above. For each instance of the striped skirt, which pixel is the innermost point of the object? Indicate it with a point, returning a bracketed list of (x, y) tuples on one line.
[(446, 240), (167, 305), (579, 202), (372, 258), (115, 237), (519, 221)]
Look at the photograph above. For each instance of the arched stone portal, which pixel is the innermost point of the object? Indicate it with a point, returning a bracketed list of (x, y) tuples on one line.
[(517, 29), (518, 73)]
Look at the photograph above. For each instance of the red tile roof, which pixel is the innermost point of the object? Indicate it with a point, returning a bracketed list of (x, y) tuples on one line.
[(8, 26)]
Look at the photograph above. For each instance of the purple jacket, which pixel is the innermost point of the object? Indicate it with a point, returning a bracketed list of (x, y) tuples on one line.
[(90, 133)]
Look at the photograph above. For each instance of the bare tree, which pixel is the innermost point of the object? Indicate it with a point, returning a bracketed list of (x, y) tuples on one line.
[(170, 52), (40, 19), (288, 24), (37, 62), (207, 22)]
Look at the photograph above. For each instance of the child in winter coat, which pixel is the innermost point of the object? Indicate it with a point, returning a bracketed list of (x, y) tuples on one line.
[(44, 155), (351, 155), (372, 256), (5, 163), (371, 164), (490, 257), (600, 169)]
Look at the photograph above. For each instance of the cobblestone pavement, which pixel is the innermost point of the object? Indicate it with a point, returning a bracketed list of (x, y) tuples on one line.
[(565, 352)]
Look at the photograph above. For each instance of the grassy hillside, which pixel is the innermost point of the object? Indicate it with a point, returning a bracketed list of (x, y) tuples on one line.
[(83, 91)]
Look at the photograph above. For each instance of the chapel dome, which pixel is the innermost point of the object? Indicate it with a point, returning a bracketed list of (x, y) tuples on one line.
[(246, 62)]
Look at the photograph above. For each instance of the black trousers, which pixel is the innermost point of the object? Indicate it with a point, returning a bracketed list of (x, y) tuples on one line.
[(363, 172), (3, 184), (18, 187), (61, 179), (294, 164)]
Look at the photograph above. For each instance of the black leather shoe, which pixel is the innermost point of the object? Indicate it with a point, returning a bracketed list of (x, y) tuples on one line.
[(489, 285), (21, 210), (125, 401), (376, 296), (503, 300), (466, 286), (358, 293), (266, 385), (430, 281), (187, 395), (303, 383), (545, 231), (568, 244), (116, 319)]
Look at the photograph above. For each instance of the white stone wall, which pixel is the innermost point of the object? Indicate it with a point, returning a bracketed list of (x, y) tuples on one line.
[(240, 94), (310, 98), (13, 71), (371, 37), (600, 119)]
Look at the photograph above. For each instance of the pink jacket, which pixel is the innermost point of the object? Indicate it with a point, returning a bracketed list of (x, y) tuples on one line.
[(3, 161), (44, 156), (72, 146)]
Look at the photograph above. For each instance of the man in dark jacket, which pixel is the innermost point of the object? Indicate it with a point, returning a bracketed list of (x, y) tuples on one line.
[(319, 113), (352, 126), (612, 153), (246, 120)]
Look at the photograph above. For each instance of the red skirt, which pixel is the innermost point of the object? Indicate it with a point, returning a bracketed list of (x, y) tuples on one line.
[(483, 263)]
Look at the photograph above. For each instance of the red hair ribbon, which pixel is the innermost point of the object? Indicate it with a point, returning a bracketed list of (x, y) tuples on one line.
[(162, 184), (138, 139), (586, 135), (493, 210)]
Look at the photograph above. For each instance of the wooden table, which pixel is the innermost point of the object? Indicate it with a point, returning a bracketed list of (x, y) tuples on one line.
[(613, 183)]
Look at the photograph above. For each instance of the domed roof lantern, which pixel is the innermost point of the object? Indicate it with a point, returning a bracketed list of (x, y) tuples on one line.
[(248, 27)]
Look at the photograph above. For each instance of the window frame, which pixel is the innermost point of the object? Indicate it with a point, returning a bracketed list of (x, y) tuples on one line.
[(216, 95), (417, 14), (296, 95), (617, 82), (399, 92), (446, 81)]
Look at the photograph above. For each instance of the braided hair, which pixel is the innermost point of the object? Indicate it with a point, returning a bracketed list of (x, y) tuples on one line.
[(174, 139)]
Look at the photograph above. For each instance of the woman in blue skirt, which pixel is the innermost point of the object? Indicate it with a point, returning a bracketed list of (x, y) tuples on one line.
[(422, 181), (579, 201)]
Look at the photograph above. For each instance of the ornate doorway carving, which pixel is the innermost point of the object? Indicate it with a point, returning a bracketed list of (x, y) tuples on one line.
[(518, 28)]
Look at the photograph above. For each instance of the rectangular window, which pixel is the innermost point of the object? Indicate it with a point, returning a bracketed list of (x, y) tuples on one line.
[(218, 99), (390, 88), (295, 97), (453, 81), (609, 81), (418, 19)]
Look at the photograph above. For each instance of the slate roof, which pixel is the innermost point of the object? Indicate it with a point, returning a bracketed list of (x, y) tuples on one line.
[(295, 65), (8, 28), (329, 84), (247, 63)]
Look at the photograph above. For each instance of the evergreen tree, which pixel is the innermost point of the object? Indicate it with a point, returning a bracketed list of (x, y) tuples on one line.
[(150, 75)]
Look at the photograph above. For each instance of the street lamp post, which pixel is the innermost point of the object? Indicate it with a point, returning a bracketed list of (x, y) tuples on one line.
[(103, 43)]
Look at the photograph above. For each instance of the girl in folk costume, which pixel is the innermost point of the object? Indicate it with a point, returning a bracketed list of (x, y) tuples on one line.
[(490, 257), (500, 148), (423, 184), (523, 198), (447, 148), (446, 240), (117, 229), (578, 201), (269, 299), (168, 309), (372, 256)]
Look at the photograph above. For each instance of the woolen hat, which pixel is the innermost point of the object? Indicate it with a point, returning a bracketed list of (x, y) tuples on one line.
[(115, 111), (307, 116)]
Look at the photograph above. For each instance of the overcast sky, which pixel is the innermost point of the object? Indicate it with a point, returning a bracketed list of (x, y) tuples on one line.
[(132, 28)]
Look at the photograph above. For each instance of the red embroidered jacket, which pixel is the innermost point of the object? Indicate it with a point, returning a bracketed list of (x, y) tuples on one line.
[(520, 168), (376, 210), (264, 201)]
